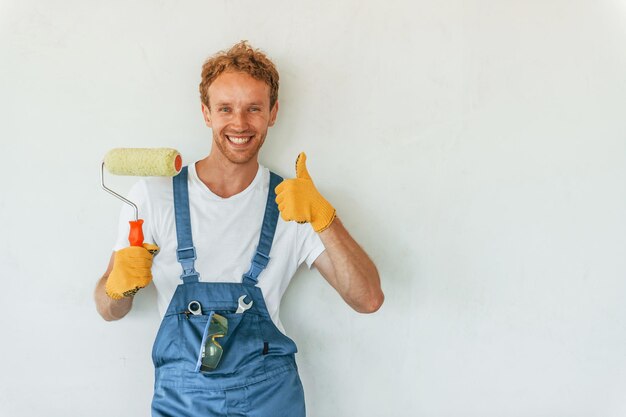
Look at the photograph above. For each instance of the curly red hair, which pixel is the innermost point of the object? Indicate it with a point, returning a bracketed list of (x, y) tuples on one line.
[(240, 58)]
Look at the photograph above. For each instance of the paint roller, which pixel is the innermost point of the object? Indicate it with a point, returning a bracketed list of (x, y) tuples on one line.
[(142, 162)]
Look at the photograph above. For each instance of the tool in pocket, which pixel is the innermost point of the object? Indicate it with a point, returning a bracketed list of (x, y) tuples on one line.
[(243, 306), (195, 308)]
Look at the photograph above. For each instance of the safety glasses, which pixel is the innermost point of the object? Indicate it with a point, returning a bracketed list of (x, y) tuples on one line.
[(211, 350)]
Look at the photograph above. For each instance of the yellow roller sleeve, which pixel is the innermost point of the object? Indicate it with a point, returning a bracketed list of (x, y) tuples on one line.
[(299, 200), (131, 270)]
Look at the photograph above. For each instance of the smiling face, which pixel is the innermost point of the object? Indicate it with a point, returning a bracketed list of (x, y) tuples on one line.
[(239, 114)]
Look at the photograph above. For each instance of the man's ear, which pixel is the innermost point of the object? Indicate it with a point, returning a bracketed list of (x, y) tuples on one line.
[(273, 113), (206, 114)]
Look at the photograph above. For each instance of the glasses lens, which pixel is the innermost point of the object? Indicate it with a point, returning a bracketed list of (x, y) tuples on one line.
[(212, 351), (219, 324)]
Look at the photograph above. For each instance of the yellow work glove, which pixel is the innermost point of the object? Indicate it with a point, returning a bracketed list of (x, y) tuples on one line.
[(131, 271), (299, 200)]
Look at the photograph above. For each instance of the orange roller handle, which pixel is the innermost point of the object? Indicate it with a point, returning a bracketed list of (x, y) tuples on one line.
[(135, 237)]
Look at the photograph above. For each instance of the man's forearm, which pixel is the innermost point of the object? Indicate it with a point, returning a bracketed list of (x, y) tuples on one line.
[(107, 307), (355, 276)]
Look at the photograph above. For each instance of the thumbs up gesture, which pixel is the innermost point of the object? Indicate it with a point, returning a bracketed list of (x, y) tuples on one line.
[(299, 200)]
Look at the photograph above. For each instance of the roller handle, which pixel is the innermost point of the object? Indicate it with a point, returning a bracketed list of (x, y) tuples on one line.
[(135, 237)]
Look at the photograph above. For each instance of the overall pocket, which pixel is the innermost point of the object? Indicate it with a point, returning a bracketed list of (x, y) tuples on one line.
[(240, 345)]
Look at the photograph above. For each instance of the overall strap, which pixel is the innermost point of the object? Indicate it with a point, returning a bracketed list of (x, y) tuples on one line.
[(270, 219), (186, 253)]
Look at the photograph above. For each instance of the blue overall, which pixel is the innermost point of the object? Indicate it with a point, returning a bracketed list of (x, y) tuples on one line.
[(257, 374)]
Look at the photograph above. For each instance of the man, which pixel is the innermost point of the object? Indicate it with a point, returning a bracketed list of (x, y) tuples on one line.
[(221, 349)]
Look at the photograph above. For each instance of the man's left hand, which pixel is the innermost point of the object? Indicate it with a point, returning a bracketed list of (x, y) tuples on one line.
[(299, 200)]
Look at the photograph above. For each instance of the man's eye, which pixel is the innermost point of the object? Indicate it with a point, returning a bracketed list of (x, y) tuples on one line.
[(224, 109), (254, 109)]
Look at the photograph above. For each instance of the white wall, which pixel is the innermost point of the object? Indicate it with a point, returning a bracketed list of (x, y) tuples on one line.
[(476, 149)]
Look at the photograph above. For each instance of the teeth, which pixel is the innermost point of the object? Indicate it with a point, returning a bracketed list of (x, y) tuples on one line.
[(239, 141)]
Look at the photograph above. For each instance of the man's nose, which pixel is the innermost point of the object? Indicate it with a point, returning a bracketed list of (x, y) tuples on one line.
[(239, 121)]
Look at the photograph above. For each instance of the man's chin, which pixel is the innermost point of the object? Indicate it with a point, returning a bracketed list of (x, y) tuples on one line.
[(241, 158)]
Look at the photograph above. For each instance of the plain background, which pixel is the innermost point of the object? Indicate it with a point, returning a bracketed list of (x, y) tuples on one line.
[(476, 149)]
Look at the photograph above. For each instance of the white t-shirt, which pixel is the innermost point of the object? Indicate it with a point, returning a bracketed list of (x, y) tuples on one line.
[(225, 234)]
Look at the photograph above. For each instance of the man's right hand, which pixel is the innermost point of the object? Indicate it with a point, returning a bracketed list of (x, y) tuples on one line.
[(131, 271)]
